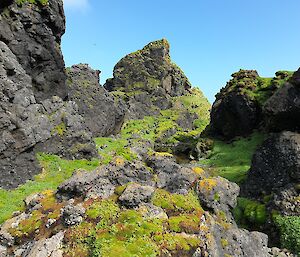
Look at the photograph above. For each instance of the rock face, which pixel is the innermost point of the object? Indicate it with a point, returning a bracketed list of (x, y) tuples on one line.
[(282, 110), (28, 126), (33, 33), (101, 114), (147, 79), (235, 113), (275, 164)]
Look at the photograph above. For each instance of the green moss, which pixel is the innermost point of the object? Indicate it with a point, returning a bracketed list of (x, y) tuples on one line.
[(109, 148), (289, 228), (55, 171), (176, 202), (185, 223), (250, 213), (105, 211), (42, 2), (232, 160), (60, 129)]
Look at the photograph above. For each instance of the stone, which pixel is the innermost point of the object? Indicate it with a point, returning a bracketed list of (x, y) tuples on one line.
[(102, 181), (147, 79), (218, 194), (33, 33), (170, 175), (135, 194), (275, 164), (234, 112), (282, 111), (102, 115), (73, 215), (150, 211)]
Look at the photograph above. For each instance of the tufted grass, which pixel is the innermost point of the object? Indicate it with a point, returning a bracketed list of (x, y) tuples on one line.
[(232, 160)]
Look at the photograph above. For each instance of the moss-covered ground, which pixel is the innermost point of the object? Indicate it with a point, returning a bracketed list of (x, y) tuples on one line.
[(232, 160)]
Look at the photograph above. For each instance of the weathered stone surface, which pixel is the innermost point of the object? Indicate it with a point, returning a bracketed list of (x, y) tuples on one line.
[(274, 165), (28, 127), (170, 175), (218, 194), (102, 181), (135, 194), (147, 79), (50, 247), (282, 110), (33, 33), (72, 215), (101, 114), (235, 113)]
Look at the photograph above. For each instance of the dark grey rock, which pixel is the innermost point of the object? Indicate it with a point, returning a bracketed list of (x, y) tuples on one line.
[(274, 165), (33, 33), (170, 175), (218, 194), (282, 110), (135, 194), (101, 114)]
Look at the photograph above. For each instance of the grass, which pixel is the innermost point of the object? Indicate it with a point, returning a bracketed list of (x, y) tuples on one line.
[(232, 160), (42, 2), (55, 171)]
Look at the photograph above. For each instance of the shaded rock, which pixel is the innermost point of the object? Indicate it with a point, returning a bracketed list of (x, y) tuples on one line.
[(282, 110), (134, 194), (274, 165), (33, 33), (102, 181), (101, 114), (27, 127), (235, 112), (171, 176), (73, 215), (32, 202), (286, 200), (295, 80), (218, 194)]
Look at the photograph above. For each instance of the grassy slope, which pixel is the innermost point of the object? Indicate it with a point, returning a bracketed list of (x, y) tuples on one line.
[(232, 160)]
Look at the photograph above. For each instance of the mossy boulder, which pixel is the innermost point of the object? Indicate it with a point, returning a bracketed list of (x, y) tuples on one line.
[(237, 110)]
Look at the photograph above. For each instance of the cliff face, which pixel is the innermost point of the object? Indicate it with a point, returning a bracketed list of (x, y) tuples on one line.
[(34, 117), (33, 33)]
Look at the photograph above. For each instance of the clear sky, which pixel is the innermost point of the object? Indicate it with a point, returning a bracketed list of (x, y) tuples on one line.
[(210, 39)]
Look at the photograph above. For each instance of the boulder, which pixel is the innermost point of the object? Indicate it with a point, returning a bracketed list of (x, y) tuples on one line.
[(282, 110), (103, 181), (33, 33), (275, 164), (135, 194), (101, 114), (235, 112), (170, 175), (218, 194), (73, 215)]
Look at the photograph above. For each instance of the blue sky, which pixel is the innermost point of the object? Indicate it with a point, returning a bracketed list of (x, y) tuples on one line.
[(210, 39)]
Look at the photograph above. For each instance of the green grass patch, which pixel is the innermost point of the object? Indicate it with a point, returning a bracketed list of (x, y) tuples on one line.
[(55, 171), (232, 160), (289, 227), (108, 148)]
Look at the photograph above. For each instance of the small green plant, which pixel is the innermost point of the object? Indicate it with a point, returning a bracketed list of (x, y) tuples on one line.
[(42, 2)]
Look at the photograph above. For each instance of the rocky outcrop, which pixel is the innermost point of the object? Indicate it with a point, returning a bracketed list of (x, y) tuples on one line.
[(238, 108), (101, 114), (282, 110), (274, 165), (33, 33), (147, 79), (235, 112), (28, 126)]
